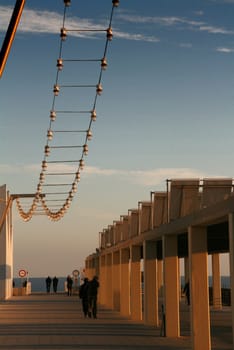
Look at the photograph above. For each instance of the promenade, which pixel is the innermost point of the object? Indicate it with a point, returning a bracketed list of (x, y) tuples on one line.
[(41, 321)]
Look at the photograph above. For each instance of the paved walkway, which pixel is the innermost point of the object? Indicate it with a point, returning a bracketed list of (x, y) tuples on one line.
[(56, 322)]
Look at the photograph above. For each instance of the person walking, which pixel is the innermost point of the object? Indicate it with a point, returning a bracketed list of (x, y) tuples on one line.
[(186, 291), (48, 284), (83, 294), (92, 296), (69, 285), (55, 284)]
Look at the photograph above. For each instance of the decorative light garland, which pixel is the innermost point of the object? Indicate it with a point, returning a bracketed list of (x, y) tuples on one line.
[(39, 200)]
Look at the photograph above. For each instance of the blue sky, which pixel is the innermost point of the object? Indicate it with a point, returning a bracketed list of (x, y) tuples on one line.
[(166, 111)]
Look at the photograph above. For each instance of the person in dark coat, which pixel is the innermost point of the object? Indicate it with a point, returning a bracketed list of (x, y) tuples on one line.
[(83, 294), (186, 291), (55, 284), (69, 285), (48, 284), (92, 296)]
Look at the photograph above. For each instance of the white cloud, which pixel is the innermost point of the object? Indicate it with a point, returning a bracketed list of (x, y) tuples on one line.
[(146, 177), (39, 22), (225, 50), (141, 177)]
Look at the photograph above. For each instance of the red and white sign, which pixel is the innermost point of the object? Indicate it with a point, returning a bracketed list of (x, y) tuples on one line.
[(22, 273)]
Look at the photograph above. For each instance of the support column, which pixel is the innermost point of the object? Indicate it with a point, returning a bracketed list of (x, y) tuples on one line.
[(216, 281), (150, 283), (171, 286), (231, 254), (102, 280), (116, 280), (199, 291), (125, 283), (6, 247), (135, 284), (109, 276)]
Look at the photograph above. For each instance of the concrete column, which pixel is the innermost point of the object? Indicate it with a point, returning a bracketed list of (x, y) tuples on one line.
[(109, 281), (6, 247), (116, 280), (217, 294), (199, 291), (231, 254), (171, 286), (102, 281), (160, 277), (135, 284), (150, 283), (125, 283)]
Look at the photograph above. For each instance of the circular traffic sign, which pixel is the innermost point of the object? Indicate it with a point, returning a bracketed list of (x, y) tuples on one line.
[(76, 273), (22, 273)]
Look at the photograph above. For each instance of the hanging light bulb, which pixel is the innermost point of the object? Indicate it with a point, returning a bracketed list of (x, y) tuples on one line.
[(50, 134), (63, 33), (59, 63), (109, 33), (47, 150), (103, 63), (52, 115), (115, 3), (42, 177), (74, 187), (71, 194), (93, 115), (39, 188), (67, 2), (77, 176), (44, 165), (56, 90), (85, 149), (81, 164), (89, 134), (99, 89)]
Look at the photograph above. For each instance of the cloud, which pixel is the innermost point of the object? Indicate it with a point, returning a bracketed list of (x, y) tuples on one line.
[(215, 30), (45, 22), (174, 21), (225, 50), (145, 177), (140, 177)]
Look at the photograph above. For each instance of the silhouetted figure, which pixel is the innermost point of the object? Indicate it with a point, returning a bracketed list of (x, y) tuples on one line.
[(55, 284), (83, 294), (186, 291), (92, 297), (69, 285), (48, 284)]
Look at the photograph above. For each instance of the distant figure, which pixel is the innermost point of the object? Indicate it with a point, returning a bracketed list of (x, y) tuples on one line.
[(69, 285), (186, 291), (48, 284), (83, 294), (92, 297), (55, 284)]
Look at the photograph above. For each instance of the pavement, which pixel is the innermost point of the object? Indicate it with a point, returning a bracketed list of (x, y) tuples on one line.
[(56, 321)]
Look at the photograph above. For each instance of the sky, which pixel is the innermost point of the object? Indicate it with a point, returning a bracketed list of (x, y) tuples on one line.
[(166, 111)]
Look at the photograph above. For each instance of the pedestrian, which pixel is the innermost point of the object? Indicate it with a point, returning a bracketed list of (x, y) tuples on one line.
[(92, 296), (69, 285), (186, 291), (48, 284), (83, 294), (55, 284)]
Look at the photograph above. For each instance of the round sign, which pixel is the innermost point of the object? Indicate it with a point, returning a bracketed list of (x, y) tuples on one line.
[(75, 273), (22, 273)]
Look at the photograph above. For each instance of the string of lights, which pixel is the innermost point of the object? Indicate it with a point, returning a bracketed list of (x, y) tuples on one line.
[(60, 168)]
